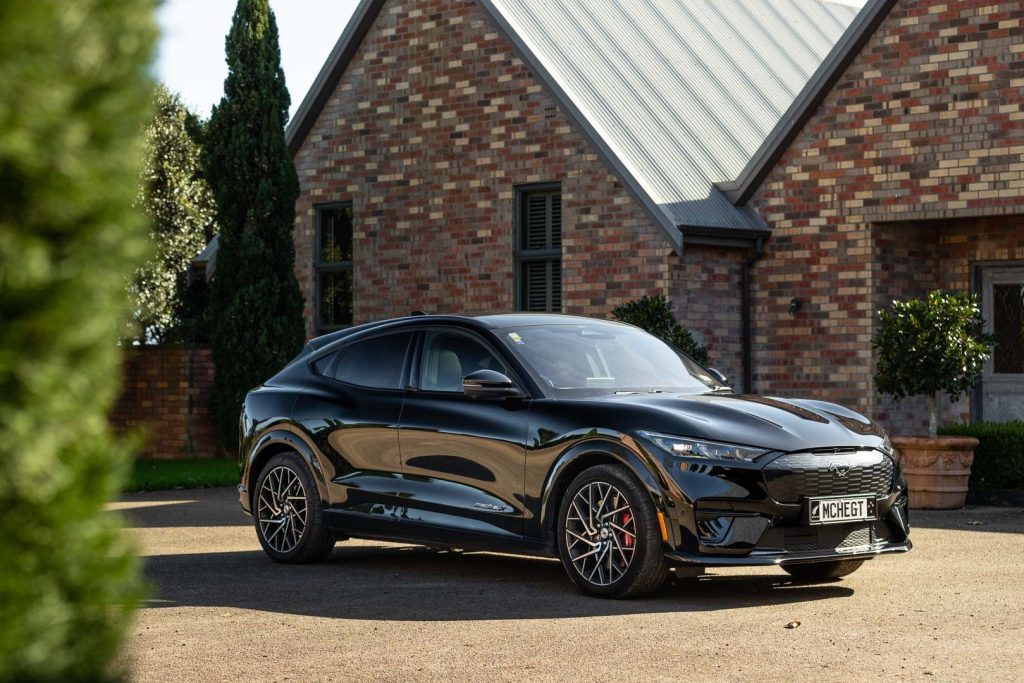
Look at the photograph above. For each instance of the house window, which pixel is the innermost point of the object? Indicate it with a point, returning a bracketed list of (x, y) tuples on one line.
[(333, 267), (539, 249)]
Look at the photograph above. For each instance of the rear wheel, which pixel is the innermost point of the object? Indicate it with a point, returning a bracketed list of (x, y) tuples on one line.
[(609, 538), (823, 571), (288, 513)]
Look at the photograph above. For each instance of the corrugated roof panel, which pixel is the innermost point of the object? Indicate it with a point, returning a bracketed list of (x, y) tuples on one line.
[(682, 91)]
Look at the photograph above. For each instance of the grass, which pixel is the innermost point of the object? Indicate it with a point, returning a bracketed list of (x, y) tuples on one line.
[(164, 475)]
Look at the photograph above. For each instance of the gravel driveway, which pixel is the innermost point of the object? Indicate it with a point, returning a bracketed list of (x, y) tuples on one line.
[(953, 609)]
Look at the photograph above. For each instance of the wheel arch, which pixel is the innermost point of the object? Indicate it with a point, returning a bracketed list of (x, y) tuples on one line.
[(583, 456), (276, 442)]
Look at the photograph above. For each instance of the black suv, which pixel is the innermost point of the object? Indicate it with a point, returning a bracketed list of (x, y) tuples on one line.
[(555, 435)]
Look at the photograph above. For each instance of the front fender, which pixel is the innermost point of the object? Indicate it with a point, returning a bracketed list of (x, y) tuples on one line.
[(574, 459), (281, 439)]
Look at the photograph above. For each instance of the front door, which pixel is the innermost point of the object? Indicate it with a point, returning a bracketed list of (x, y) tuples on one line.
[(1003, 309), (462, 458)]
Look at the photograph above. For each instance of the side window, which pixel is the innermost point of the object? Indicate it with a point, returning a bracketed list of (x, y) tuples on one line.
[(323, 366), (450, 356), (375, 363)]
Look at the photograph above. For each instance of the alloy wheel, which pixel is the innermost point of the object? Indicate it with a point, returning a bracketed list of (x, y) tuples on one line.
[(600, 533), (281, 509)]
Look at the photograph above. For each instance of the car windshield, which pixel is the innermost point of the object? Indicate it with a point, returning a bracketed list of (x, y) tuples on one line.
[(592, 359)]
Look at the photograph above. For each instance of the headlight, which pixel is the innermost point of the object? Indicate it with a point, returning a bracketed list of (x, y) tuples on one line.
[(694, 448)]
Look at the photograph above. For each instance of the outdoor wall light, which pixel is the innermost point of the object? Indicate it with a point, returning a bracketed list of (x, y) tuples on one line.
[(795, 305)]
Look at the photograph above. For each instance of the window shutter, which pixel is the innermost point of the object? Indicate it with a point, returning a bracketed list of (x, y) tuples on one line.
[(540, 256)]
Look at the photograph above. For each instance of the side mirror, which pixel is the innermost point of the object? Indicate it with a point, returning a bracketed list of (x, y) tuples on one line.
[(489, 384), (719, 376)]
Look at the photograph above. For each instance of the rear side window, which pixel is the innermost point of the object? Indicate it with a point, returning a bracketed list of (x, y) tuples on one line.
[(375, 363)]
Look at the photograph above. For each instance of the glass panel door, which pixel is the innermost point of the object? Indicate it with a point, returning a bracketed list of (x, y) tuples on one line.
[(1003, 309)]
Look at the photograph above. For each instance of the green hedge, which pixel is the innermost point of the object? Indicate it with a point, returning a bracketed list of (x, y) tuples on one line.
[(999, 458), (74, 78), (195, 473)]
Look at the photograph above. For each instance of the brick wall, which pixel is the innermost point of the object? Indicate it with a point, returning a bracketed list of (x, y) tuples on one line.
[(925, 125), (429, 131), (706, 290), (165, 396)]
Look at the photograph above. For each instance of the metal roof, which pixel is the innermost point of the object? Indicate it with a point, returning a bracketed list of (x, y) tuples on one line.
[(682, 92), (689, 102)]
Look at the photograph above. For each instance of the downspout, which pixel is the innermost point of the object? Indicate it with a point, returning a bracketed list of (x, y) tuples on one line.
[(747, 312)]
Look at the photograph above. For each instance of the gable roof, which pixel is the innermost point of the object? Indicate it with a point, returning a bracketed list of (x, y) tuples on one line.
[(678, 96)]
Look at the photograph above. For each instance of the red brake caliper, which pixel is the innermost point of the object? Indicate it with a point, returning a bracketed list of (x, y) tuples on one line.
[(626, 538)]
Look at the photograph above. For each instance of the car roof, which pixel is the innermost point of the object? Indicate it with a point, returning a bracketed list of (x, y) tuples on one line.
[(501, 320), (490, 321)]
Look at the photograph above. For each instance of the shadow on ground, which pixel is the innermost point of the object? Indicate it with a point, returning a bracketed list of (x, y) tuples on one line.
[(420, 584), (408, 583)]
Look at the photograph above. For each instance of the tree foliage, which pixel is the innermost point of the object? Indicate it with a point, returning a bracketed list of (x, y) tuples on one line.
[(76, 96), (931, 345), (656, 314), (179, 203), (255, 301)]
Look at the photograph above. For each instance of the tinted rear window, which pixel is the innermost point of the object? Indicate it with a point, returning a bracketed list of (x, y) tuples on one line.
[(375, 363)]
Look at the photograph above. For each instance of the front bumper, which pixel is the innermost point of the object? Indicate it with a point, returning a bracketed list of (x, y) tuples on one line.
[(768, 558), (751, 514)]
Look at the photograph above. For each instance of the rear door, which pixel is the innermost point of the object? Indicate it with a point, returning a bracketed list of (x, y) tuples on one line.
[(352, 408), (463, 459)]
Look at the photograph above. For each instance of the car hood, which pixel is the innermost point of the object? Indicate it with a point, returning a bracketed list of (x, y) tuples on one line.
[(766, 422)]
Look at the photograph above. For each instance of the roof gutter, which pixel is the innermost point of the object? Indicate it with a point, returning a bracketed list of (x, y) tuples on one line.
[(807, 102)]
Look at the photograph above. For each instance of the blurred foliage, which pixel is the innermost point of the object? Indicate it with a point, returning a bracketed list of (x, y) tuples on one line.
[(180, 206), (76, 97), (255, 302), (931, 345), (999, 457), (656, 314)]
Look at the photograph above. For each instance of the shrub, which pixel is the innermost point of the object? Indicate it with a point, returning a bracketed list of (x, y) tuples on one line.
[(930, 345), (656, 314), (180, 206), (76, 97), (255, 302), (999, 457)]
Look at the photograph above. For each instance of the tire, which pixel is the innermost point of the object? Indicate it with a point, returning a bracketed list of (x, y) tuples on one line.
[(598, 554), (285, 499), (823, 571)]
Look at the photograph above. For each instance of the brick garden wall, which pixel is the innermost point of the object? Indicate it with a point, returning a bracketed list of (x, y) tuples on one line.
[(165, 396), (434, 124), (927, 124)]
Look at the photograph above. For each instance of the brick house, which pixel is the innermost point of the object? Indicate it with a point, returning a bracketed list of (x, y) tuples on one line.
[(779, 169)]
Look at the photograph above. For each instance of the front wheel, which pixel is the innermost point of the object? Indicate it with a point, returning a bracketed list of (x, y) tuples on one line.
[(823, 571), (288, 513), (609, 538)]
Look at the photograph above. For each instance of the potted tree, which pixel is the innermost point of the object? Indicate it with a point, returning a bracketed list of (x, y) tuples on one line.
[(927, 346)]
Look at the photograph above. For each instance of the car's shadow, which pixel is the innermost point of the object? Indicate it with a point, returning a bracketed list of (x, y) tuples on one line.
[(420, 584)]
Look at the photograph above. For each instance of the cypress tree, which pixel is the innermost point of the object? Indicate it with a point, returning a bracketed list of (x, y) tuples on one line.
[(76, 96), (255, 301)]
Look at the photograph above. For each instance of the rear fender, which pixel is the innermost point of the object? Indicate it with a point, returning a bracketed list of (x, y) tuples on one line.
[(283, 440)]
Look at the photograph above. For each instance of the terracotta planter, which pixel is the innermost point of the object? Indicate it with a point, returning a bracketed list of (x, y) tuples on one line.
[(937, 470)]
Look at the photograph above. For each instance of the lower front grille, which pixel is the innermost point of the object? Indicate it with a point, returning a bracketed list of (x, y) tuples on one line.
[(827, 537), (793, 477)]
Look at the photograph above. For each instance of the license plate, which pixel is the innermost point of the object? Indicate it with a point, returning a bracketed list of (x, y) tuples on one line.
[(845, 509)]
